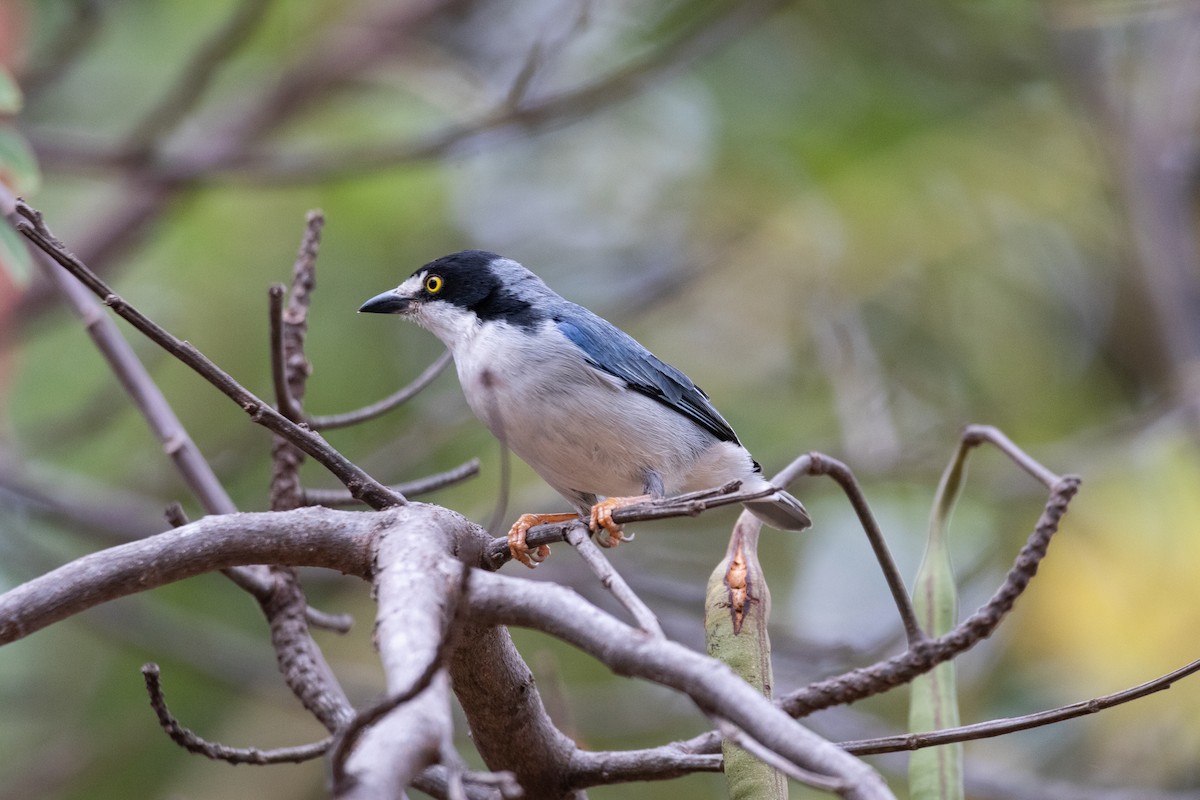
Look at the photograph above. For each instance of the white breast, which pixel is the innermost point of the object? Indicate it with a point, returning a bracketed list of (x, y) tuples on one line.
[(578, 427)]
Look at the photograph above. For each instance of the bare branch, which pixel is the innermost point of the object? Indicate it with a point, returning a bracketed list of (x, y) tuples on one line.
[(300, 660), (578, 538), (349, 735), (685, 505), (824, 465), (672, 760), (313, 537), (283, 396), (709, 683), (1000, 727), (974, 435), (888, 674), (417, 582), (193, 743), (361, 485), (420, 486), (385, 405), (435, 781), (502, 703)]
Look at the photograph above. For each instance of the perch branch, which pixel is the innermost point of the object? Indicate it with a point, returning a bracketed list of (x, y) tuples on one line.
[(685, 505)]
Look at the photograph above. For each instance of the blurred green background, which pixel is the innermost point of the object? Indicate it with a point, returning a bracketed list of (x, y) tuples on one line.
[(857, 226)]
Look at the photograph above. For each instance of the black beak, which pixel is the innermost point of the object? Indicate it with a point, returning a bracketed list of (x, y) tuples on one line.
[(386, 303)]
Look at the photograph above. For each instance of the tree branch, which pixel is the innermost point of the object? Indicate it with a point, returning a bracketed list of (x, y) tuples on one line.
[(189, 741), (888, 674), (710, 684), (360, 484), (417, 584), (692, 504), (419, 486), (610, 579), (312, 537), (403, 395), (1000, 727), (824, 465)]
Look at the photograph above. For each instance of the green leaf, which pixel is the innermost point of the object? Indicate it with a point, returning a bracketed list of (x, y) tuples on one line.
[(11, 99), (14, 256), (935, 773), (18, 165), (737, 606)]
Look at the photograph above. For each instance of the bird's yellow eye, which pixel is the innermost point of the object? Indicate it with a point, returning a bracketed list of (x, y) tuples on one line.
[(434, 283)]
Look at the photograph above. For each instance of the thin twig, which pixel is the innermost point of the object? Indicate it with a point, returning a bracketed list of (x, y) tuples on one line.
[(385, 405), (685, 505), (283, 396), (300, 659), (577, 537), (175, 515), (1000, 727), (361, 485), (821, 464), (193, 743), (885, 675), (974, 435), (413, 488)]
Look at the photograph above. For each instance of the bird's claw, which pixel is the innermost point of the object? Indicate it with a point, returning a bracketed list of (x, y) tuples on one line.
[(609, 533), (520, 529)]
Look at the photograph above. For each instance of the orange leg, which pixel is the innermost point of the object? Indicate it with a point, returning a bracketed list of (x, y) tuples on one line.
[(516, 537), (609, 533)]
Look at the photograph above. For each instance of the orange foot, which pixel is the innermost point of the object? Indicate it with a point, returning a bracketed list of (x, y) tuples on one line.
[(516, 537), (609, 533)]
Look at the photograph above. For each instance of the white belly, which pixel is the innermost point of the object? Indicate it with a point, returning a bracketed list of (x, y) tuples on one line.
[(580, 428)]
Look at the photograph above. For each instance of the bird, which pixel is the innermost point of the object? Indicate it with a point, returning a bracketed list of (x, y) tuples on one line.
[(596, 415)]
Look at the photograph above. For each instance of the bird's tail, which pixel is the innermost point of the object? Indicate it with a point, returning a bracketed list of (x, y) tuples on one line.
[(781, 511)]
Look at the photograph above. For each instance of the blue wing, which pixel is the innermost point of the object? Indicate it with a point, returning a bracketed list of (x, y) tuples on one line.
[(610, 349)]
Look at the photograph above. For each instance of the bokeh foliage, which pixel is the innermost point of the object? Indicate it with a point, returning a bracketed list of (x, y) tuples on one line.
[(857, 226)]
